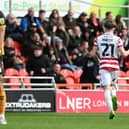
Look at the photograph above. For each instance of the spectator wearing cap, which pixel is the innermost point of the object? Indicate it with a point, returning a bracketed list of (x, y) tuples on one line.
[(82, 22), (63, 56), (94, 24), (28, 19), (60, 51)]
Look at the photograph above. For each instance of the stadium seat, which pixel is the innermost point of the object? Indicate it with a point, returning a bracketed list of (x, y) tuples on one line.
[(14, 80), (77, 74), (12, 72), (17, 52), (17, 45), (66, 73), (69, 80), (23, 72)]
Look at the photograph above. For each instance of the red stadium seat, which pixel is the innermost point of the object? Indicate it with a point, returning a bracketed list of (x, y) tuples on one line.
[(14, 80), (17, 52), (12, 72), (66, 73), (23, 72), (69, 80), (17, 45), (77, 74)]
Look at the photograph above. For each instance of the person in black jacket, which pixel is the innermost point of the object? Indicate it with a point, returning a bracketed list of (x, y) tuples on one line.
[(38, 65), (56, 74), (82, 22), (90, 70)]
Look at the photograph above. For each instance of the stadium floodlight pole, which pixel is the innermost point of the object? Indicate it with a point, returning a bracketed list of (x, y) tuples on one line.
[(40, 4), (99, 12), (70, 4), (10, 6)]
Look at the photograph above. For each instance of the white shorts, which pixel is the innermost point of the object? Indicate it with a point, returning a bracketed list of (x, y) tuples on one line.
[(108, 77)]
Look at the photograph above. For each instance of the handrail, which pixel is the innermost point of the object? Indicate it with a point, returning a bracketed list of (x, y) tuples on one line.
[(52, 84)]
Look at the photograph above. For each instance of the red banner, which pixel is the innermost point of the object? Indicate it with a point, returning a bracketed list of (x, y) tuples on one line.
[(88, 101)]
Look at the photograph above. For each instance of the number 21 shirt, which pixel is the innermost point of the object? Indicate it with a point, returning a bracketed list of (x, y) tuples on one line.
[(108, 45)]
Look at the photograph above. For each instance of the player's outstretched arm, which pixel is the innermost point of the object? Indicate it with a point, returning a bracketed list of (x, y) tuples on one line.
[(123, 52)]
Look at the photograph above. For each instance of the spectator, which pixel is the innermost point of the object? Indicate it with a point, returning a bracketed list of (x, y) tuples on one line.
[(79, 53), (82, 22), (125, 39), (43, 21), (27, 21), (56, 74), (120, 24), (108, 16), (90, 70), (69, 20), (87, 36), (61, 33), (10, 59), (75, 38), (63, 56), (55, 20), (38, 65), (51, 55), (61, 52), (13, 29), (30, 45), (94, 24)]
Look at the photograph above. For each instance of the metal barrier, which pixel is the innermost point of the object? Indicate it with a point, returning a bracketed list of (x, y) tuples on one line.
[(50, 85)]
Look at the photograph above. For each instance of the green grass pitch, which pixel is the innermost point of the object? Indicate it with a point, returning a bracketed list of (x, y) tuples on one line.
[(65, 121)]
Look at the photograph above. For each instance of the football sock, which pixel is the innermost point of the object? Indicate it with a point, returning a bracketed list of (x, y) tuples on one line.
[(113, 91), (108, 99), (2, 101)]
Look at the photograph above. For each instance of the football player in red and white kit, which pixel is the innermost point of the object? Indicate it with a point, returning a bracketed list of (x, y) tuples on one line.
[(110, 47)]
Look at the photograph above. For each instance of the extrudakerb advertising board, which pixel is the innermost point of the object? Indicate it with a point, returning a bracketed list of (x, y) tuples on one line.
[(30, 101), (88, 101)]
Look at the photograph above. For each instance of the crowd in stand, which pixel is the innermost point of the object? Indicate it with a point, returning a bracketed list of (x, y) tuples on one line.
[(58, 42)]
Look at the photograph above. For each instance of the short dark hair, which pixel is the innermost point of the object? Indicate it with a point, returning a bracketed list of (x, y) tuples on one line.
[(107, 13), (109, 24), (42, 11)]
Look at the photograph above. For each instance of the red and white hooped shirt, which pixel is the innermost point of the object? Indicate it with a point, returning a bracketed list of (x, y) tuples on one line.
[(108, 45)]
